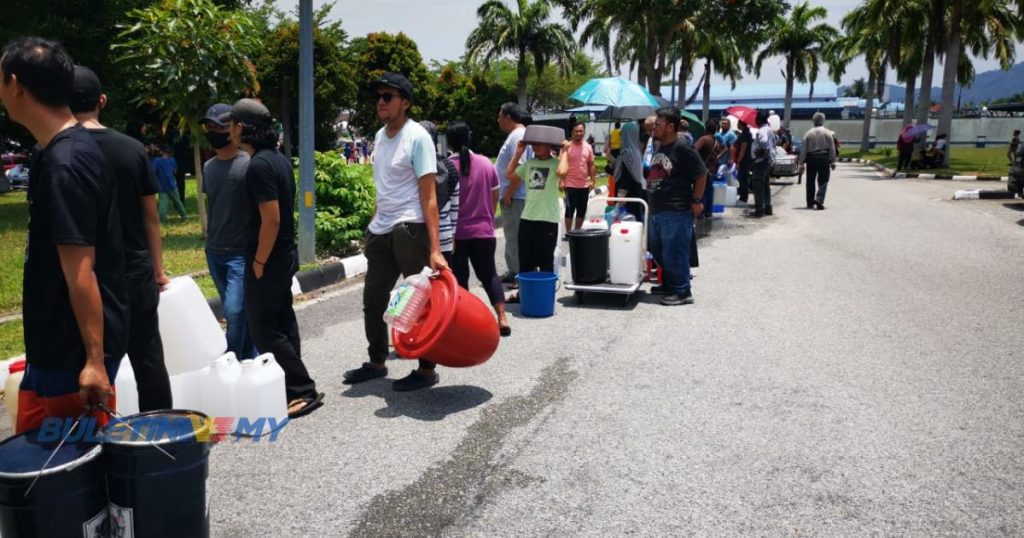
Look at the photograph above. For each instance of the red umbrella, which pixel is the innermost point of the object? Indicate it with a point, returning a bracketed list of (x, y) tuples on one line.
[(745, 114)]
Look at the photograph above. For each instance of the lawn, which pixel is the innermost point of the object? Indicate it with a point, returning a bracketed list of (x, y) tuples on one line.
[(962, 161)]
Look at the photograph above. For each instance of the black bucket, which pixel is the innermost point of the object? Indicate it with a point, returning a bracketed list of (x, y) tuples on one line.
[(589, 252), (68, 500), (150, 494)]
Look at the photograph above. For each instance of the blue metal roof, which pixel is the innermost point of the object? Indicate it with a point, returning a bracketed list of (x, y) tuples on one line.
[(767, 91), (778, 106)]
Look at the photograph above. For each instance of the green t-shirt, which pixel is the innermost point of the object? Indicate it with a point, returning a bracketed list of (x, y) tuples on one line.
[(541, 189)]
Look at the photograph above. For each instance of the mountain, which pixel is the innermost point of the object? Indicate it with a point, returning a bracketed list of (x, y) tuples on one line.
[(986, 87)]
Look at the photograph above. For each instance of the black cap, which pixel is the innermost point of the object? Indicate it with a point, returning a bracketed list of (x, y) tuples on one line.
[(395, 81), (217, 115), (86, 90), (250, 112)]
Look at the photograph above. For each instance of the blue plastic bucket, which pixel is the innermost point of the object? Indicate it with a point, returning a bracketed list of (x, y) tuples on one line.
[(71, 486), (537, 293)]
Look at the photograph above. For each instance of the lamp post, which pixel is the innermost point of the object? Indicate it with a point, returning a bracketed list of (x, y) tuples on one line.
[(307, 199)]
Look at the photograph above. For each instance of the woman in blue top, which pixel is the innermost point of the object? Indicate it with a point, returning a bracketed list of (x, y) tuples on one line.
[(165, 168)]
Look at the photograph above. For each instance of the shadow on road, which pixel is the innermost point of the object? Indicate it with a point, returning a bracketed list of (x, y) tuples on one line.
[(1016, 206), (431, 404)]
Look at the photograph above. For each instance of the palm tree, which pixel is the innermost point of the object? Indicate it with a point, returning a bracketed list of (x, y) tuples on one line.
[(721, 55), (598, 32), (858, 89), (525, 33), (864, 37), (801, 43)]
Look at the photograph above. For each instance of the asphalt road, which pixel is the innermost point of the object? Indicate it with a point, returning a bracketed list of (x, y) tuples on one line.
[(849, 372)]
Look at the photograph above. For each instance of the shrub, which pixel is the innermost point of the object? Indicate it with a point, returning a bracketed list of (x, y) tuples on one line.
[(887, 152), (345, 198)]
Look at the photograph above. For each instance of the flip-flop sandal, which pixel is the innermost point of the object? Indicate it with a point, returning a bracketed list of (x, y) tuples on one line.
[(513, 299), (312, 404)]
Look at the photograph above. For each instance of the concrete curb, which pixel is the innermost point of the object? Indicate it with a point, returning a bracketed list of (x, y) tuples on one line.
[(983, 194), (904, 175)]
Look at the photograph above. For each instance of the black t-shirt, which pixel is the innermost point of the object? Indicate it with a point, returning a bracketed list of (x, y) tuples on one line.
[(72, 201), (674, 170), (227, 196), (746, 140), (133, 172), (268, 178)]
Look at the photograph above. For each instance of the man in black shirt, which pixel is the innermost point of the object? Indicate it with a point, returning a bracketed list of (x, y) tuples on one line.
[(675, 188), (140, 230), (74, 298), (271, 251)]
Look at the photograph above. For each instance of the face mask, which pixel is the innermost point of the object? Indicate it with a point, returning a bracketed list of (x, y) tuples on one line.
[(217, 140)]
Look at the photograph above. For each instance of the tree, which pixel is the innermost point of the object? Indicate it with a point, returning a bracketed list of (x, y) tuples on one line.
[(858, 89), (525, 33), (801, 43), (864, 38), (334, 87), (182, 56), (474, 99), (381, 52)]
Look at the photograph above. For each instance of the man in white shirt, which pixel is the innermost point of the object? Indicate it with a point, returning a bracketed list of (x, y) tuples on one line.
[(818, 157), (763, 152), (403, 236), (510, 120)]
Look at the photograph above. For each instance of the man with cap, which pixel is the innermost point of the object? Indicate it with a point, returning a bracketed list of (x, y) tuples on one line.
[(74, 306), (227, 199), (131, 170), (403, 236), (271, 252)]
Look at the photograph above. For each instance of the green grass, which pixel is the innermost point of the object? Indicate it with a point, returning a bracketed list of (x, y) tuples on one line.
[(962, 161), (11, 339)]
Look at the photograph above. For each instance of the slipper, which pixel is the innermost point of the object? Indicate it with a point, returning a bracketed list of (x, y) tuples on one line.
[(310, 404), (513, 299), (505, 331)]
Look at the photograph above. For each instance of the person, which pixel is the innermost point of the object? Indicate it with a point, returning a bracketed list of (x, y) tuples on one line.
[(144, 273), (615, 140), (708, 149), (538, 229), (403, 236), (629, 171), (227, 200), (685, 133), (271, 252), (763, 153), (934, 156), (183, 162), (474, 234), (447, 197), (1014, 144), (579, 178), (675, 188), (510, 121), (74, 305), (647, 136), (165, 166), (905, 147), (818, 157), (726, 138), (784, 139), (745, 160)]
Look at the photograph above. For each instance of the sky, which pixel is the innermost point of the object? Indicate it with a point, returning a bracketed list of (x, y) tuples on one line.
[(440, 28)]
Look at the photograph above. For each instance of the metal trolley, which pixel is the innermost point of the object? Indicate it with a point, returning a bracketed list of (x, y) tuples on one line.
[(627, 290)]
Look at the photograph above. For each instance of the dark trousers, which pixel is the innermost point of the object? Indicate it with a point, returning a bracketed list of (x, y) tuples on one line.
[(145, 349), (760, 184), (818, 168), (905, 158), (479, 252), (179, 178), (402, 252), (743, 178), (537, 240), (268, 305)]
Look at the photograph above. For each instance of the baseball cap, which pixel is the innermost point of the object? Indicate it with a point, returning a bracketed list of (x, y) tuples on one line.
[(86, 89), (251, 112), (395, 81), (217, 114)]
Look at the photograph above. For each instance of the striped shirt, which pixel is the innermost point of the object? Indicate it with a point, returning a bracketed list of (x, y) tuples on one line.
[(448, 216)]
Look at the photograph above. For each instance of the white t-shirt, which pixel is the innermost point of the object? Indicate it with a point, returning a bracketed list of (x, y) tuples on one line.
[(398, 165)]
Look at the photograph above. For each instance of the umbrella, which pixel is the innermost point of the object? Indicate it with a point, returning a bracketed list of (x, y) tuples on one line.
[(631, 112), (613, 91), (745, 114), (918, 129)]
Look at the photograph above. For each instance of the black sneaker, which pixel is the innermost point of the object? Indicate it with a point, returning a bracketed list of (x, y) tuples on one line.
[(754, 214), (818, 206), (661, 289), (415, 381), (768, 211), (508, 278), (365, 372), (676, 300)]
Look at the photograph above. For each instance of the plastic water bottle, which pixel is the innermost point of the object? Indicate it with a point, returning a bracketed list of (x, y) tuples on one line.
[(407, 301)]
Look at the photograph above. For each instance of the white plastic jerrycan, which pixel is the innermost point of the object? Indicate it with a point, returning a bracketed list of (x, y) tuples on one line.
[(626, 253), (15, 371), (126, 389), (187, 390), (191, 335), (220, 387), (260, 393)]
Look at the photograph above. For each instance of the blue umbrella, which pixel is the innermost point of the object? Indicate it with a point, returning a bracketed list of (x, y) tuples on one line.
[(614, 92), (914, 131)]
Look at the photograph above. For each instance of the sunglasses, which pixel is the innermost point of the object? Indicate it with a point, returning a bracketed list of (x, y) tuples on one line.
[(387, 97)]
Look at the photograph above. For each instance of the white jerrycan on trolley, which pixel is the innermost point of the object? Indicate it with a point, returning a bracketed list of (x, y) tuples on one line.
[(626, 250), (260, 393)]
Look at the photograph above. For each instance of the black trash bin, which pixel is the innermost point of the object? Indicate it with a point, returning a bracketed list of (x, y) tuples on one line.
[(150, 494), (589, 252)]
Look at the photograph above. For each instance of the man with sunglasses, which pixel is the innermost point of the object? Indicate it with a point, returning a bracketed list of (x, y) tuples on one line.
[(227, 202), (403, 236)]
